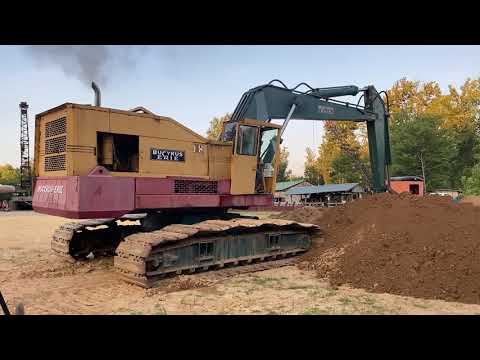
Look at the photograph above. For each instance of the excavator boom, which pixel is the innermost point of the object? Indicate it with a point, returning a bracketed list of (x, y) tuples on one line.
[(269, 102)]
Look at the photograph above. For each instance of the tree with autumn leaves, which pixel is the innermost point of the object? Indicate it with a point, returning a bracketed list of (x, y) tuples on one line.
[(215, 127), (432, 134), (9, 175), (443, 128)]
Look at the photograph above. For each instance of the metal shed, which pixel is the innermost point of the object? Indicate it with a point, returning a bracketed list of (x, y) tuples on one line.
[(326, 195), (281, 196)]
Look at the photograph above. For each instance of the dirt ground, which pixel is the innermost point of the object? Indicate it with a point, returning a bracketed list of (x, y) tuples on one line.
[(31, 274)]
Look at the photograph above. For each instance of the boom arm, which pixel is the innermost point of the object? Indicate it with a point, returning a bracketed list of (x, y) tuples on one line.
[(269, 102)]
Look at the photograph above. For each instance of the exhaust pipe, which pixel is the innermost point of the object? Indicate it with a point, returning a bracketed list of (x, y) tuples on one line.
[(96, 89)]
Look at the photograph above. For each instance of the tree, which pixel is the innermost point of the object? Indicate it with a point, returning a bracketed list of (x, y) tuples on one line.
[(216, 126), (471, 184), (465, 152), (344, 170), (459, 114), (413, 97), (284, 174), (9, 175), (421, 146), (312, 172), (461, 109), (342, 146)]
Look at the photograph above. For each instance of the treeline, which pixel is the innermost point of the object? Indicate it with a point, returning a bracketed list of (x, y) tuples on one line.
[(9, 175), (432, 134)]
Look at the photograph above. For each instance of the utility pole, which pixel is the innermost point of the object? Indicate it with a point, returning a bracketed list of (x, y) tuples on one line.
[(25, 171)]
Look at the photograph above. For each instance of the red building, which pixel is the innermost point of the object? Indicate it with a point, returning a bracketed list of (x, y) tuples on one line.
[(412, 184)]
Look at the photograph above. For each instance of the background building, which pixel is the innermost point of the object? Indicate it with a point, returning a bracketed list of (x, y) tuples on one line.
[(447, 192), (325, 195), (282, 188), (412, 184)]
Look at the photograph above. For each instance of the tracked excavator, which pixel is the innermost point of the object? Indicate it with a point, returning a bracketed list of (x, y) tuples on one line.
[(156, 195)]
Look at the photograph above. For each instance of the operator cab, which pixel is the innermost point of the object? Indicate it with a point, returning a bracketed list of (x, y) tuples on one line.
[(255, 144)]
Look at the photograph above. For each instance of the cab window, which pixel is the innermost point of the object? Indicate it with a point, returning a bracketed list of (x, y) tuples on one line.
[(229, 131), (247, 140)]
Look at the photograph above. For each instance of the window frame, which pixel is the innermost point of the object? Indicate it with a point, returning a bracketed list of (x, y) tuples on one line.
[(239, 140)]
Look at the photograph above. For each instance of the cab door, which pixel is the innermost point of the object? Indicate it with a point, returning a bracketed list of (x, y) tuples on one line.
[(244, 160)]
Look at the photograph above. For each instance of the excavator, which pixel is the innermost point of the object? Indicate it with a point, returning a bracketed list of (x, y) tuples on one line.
[(159, 197)]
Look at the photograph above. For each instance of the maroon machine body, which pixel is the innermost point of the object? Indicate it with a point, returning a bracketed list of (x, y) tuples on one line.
[(101, 195)]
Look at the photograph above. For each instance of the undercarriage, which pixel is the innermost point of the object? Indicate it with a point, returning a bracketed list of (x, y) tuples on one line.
[(149, 247)]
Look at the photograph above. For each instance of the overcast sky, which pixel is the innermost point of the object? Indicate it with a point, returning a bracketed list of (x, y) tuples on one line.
[(192, 84)]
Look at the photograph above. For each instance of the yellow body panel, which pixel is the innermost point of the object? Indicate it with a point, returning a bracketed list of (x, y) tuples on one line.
[(219, 159), (71, 140), (196, 163), (243, 169)]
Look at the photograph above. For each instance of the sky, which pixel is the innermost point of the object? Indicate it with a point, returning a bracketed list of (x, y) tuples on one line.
[(193, 84)]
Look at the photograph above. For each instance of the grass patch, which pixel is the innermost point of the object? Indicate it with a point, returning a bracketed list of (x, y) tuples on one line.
[(265, 281), (363, 305), (131, 312), (421, 306), (322, 293), (367, 301), (160, 310), (345, 301), (135, 312), (315, 311), (250, 290), (380, 310), (271, 312), (125, 311), (299, 287)]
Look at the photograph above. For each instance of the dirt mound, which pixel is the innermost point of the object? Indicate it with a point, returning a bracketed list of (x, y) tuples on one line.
[(471, 199), (307, 215), (426, 247)]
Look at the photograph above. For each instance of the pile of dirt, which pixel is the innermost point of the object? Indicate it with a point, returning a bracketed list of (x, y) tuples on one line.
[(306, 215), (471, 199), (425, 247)]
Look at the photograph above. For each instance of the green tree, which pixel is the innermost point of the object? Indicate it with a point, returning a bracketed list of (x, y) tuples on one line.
[(458, 110), (465, 152), (9, 175), (344, 170), (344, 145), (284, 174), (420, 146), (312, 173), (471, 184), (216, 126)]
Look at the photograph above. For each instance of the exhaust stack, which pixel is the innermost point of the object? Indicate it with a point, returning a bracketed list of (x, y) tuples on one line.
[(98, 99)]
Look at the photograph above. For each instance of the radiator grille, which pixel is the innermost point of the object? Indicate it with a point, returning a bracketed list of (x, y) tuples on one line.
[(55, 163), (55, 145), (195, 187), (56, 127)]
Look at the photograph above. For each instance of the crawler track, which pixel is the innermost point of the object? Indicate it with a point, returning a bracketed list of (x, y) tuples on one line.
[(140, 257), (76, 240)]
